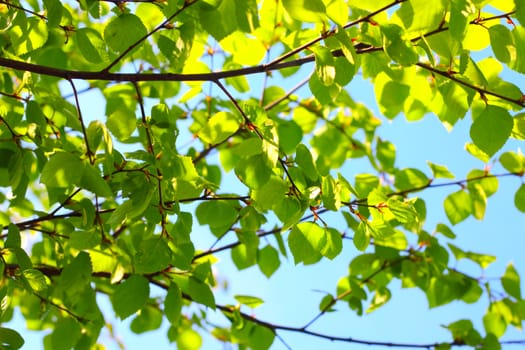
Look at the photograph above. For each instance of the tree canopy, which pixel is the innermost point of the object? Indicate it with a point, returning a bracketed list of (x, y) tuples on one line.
[(133, 134)]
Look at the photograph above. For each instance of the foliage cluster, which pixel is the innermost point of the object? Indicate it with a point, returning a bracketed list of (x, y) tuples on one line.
[(108, 204)]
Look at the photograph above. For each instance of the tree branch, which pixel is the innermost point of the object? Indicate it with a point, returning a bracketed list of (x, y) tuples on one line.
[(52, 271)]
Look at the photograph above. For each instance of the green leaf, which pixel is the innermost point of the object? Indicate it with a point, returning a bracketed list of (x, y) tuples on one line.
[(54, 10), (511, 282), (217, 214), (411, 178), (459, 11), (173, 304), (268, 260), (476, 152), (519, 198), (153, 255), (226, 16), (271, 193), (323, 93), (324, 65), (290, 210), (463, 331), (244, 255), (334, 243), (149, 318), (290, 135), (442, 290), (249, 301), (304, 160), (92, 180), (309, 243), (386, 154), (347, 46), (188, 339), (494, 323), (122, 123), (14, 240), (483, 260), (518, 64), (458, 206), (30, 36), (513, 162), (306, 10), (36, 280), (77, 275), (62, 170), (390, 95), (403, 211), (396, 47), (123, 31), (445, 230), (491, 129), (66, 334), (362, 236), (305, 242), (502, 43), (452, 103), (200, 292), (10, 339), (417, 16), (254, 171), (386, 236), (380, 298), (440, 171), (220, 126), (130, 296), (91, 45), (330, 193)]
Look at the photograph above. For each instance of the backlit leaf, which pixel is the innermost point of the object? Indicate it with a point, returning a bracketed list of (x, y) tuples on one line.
[(268, 260), (220, 126), (130, 296), (491, 129), (173, 303), (324, 65), (519, 198), (123, 31), (511, 282), (249, 301), (62, 170), (306, 10), (458, 206)]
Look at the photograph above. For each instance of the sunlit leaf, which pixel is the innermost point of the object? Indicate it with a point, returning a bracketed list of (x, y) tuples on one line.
[(220, 126), (123, 31), (268, 260), (130, 296), (511, 282), (249, 301), (306, 10), (458, 206), (491, 129)]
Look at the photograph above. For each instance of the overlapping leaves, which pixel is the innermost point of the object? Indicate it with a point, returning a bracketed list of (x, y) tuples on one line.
[(111, 192)]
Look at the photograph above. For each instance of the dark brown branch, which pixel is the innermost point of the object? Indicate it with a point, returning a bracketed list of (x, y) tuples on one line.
[(10, 4), (136, 77), (386, 265), (520, 101), (52, 271), (81, 120), (251, 126)]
